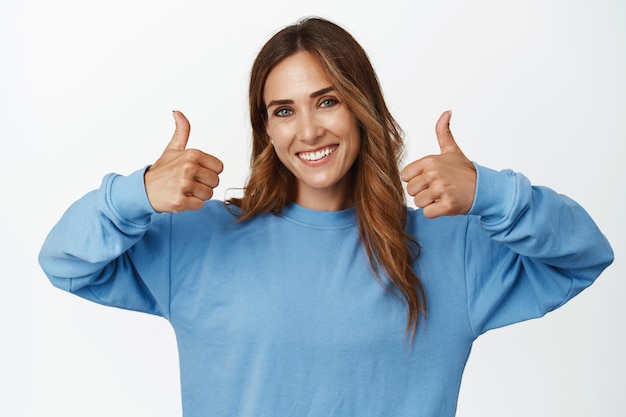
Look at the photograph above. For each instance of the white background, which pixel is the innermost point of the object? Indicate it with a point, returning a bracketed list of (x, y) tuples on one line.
[(88, 87)]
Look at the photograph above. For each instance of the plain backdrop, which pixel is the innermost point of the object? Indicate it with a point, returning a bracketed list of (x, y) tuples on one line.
[(87, 88)]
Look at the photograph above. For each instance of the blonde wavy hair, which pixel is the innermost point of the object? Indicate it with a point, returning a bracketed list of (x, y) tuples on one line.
[(378, 197)]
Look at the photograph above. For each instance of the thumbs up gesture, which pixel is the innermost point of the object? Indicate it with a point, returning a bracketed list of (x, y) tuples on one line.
[(181, 179), (444, 184)]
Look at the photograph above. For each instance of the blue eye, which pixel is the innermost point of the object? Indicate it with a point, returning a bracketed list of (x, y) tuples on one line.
[(328, 102), (282, 112)]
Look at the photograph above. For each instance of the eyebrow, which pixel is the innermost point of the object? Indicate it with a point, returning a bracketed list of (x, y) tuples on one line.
[(313, 95)]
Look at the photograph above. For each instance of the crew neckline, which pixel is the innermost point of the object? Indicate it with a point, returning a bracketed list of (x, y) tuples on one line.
[(319, 218)]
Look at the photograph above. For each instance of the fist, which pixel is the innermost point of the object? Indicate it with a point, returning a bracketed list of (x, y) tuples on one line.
[(181, 179), (444, 184)]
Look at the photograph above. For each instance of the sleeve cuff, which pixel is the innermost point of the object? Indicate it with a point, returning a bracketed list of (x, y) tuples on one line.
[(495, 193), (126, 196)]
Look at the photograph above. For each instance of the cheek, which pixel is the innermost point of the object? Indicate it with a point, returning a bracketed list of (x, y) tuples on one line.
[(281, 148), (281, 136), (353, 131), (280, 151), (349, 125), (277, 132)]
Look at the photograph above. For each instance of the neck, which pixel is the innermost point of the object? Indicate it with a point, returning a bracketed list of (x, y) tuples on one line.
[(336, 198), (324, 204)]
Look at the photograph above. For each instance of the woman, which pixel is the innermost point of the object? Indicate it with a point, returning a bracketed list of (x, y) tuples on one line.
[(318, 292)]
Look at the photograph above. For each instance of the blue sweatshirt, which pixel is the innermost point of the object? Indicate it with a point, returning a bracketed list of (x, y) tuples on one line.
[(282, 316)]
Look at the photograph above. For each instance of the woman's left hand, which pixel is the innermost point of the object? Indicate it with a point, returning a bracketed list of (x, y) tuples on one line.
[(443, 185)]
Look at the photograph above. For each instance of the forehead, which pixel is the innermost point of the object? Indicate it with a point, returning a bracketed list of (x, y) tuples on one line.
[(300, 73)]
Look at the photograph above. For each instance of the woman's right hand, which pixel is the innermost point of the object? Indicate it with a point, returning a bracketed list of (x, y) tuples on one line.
[(181, 179)]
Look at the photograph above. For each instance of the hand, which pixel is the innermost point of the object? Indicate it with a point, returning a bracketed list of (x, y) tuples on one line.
[(443, 185), (181, 179)]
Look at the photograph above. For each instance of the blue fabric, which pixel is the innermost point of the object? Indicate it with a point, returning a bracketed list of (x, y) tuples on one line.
[(282, 316)]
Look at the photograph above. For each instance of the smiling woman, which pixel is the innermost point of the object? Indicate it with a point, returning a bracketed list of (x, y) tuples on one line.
[(276, 298), (315, 135), (320, 52)]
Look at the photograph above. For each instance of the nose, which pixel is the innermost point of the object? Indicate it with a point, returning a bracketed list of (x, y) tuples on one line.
[(309, 130)]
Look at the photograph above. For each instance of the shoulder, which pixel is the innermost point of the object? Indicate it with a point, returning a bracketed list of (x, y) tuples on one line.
[(418, 224), (443, 236), (213, 215)]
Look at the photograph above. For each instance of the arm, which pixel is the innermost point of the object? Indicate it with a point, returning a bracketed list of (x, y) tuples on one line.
[(87, 251), (528, 249), (93, 251)]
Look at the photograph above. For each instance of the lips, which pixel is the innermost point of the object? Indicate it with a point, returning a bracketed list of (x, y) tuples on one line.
[(317, 155)]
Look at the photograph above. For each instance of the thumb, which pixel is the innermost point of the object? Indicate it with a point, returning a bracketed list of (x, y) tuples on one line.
[(444, 135), (181, 134)]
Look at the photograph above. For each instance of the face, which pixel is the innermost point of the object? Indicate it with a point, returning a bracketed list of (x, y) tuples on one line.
[(314, 133)]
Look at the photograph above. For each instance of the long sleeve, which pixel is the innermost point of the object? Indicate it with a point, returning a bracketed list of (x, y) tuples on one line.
[(528, 250), (89, 252)]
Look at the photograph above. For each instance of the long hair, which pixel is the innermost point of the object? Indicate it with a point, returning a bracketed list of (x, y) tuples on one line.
[(378, 193)]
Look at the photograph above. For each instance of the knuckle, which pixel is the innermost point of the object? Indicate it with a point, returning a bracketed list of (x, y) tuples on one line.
[(192, 154), (437, 188), (188, 168), (185, 184), (178, 203), (431, 175), (429, 161)]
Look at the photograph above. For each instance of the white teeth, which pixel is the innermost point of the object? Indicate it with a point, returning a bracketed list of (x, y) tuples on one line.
[(316, 156)]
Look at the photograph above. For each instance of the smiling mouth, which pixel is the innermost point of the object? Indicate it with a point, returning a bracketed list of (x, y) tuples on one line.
[(317, 155)]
